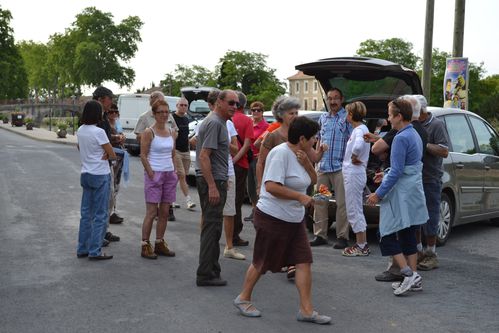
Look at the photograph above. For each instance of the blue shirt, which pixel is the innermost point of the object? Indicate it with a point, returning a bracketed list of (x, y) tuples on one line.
[(407, 149), (335, 132)]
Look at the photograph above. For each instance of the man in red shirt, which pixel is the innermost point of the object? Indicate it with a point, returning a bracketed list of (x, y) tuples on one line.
[(244, 128)]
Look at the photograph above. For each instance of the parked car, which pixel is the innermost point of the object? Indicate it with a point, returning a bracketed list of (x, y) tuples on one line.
[(470, 189)]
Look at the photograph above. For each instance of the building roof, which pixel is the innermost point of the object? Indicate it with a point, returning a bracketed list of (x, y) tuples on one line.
[(300, 76)]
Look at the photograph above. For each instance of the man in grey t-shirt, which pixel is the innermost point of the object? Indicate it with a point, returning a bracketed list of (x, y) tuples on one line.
[(212, 150), (436, 150)]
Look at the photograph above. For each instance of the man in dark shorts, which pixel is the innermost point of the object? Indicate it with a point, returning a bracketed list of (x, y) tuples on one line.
[(212, 150)]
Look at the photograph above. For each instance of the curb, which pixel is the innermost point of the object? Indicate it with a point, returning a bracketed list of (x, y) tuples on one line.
[(34, 137)]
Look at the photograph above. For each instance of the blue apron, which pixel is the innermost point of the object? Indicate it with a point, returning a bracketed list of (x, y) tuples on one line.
[(404, 205)]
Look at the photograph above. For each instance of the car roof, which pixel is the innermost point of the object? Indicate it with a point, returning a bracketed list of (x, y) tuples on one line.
[(439, 111)]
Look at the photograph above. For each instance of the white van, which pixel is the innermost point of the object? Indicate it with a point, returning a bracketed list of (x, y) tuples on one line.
[(131, 106)]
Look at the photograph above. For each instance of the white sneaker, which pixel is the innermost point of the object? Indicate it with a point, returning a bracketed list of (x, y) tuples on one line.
[(417, 286), (407, 284), (232, 253), (190, 204), (175, 205)]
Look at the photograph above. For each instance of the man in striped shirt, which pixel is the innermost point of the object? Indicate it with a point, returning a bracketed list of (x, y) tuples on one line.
[(335, 131)]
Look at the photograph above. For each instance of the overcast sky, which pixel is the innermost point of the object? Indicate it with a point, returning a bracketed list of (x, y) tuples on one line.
[(289, 32)]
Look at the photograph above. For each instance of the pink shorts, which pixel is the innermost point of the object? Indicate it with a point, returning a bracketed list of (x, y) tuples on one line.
[(161, 188)]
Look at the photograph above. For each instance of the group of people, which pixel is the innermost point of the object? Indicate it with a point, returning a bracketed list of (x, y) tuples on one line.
[(281, 164)]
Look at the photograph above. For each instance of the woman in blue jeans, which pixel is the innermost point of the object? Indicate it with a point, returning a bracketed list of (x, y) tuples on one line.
[(95, 151)]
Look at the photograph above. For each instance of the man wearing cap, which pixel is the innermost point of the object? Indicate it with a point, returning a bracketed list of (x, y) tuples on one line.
[(105, 97)]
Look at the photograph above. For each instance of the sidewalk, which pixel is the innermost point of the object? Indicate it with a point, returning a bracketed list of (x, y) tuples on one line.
[(41, 134)]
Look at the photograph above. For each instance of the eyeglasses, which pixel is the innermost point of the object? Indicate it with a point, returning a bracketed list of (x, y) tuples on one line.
[(114, 111), (232, 103), (162, 112), (256, 110), (183, 105)]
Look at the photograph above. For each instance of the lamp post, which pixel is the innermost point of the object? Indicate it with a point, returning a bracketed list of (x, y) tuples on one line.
[(73, 97)]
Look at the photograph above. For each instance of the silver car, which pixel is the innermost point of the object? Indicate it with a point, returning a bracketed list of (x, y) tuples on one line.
[(470, 189)]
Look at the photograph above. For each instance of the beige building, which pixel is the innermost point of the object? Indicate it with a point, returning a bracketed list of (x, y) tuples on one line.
[(308, 90)]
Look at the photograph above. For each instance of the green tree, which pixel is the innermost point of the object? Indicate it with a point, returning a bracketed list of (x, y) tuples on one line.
[(14, 80), (92, 51), (393, 49), (35, 61), (184, 76), (248, 72)]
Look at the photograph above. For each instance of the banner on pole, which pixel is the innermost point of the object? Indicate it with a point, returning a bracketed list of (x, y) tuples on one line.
[(456, 83)]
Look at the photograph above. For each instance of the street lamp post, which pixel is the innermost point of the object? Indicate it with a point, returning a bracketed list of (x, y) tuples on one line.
[(73, 97)]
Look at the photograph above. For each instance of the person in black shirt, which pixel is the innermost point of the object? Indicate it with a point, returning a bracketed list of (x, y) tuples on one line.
[(182, 153)]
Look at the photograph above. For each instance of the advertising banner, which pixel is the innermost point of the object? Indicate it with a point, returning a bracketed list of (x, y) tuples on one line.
[(456, 83)]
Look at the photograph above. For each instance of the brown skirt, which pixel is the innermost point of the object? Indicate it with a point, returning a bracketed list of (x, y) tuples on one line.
[(279, 243)]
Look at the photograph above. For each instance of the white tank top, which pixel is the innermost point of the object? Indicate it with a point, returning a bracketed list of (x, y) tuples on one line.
[(160, 153)]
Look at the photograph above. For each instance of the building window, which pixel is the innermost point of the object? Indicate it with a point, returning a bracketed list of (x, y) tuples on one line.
[(297, 87), (314, 105), (305, 86), (315, 86), (305, 104)]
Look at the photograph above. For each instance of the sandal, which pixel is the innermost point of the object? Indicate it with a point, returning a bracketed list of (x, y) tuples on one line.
[(244, 308), (291, 272)]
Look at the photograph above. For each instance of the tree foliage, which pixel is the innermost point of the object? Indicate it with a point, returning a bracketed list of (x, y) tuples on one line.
[(393, 49), (184, 76), (92, 50), (14, 80), (483, 92), (248, 72)]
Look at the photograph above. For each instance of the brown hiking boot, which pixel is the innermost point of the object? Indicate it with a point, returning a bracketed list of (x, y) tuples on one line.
[(147, 251), (429, 262), (421, 256), (161, 249)]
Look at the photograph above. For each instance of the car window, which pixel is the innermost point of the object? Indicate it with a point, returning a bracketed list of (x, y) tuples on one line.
[(199, 106), (460, 134), (487, 139), (374, 88)]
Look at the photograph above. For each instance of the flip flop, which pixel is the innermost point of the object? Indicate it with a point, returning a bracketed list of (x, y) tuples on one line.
[(243, 307)]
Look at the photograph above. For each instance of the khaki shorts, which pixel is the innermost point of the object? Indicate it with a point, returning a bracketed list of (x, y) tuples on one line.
[(182, 162), (230, 203)]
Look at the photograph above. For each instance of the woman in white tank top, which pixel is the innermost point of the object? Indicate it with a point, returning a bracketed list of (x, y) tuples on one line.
[(157, 152)]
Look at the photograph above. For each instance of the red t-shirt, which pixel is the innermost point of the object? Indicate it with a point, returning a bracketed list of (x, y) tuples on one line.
[(244, 128), (258, 130)]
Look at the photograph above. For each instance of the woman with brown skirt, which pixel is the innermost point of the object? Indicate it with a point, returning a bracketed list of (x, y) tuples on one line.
[(281, 238)]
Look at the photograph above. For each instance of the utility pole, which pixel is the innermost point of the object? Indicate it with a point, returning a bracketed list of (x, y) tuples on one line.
[(428, 48), (457, 45)]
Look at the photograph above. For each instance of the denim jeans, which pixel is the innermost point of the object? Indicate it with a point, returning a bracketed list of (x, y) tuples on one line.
[(94, 213), (433, 193)]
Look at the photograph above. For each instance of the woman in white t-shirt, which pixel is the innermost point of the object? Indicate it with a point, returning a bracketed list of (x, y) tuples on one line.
[(157, 152), (281, 238), (354, 178), (95, 151)]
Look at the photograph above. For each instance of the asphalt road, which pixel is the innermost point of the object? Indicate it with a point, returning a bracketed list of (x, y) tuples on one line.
[(45, 288)]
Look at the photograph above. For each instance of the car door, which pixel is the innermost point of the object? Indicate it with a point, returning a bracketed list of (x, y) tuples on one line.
[(487, 140), (467, 164)]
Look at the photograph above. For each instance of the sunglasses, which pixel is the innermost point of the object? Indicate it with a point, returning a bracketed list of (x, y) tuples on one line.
[(232, 103), (183, 105), (256, 110)]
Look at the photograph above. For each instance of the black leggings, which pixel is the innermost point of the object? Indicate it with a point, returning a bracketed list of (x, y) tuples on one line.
[(402, 241)]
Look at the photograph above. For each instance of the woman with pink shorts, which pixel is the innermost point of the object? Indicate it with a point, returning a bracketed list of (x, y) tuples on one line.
[(157, 149)]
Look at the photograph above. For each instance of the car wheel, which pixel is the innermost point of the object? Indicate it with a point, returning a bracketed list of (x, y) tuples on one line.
[(446, 219)]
